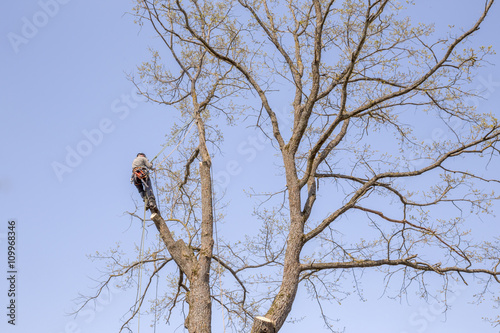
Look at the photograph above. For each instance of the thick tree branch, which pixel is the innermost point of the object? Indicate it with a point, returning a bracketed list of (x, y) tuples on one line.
[(408, 262)]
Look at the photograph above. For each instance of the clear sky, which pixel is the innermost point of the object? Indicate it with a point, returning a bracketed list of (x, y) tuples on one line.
[(70, 127)]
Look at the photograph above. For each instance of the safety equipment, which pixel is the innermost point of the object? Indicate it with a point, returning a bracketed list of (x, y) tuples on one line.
[(140, 172)]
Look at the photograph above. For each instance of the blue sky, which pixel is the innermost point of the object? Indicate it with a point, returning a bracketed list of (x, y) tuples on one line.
[(63, 89)]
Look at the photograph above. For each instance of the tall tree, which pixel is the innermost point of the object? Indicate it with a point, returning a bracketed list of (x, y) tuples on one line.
[(362, 83)]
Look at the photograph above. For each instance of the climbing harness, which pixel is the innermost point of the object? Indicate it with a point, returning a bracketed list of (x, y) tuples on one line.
[(140, 175), (140, 172)]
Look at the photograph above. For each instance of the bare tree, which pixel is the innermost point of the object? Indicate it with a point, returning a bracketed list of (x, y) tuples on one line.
[(362, 83)]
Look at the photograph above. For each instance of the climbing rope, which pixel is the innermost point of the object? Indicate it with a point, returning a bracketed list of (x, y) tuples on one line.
[(157, 274), (169, 142), (141, 257), (141, 249), (217, 249), (139, 284), (156, 294), (144, 221), (175, 148)]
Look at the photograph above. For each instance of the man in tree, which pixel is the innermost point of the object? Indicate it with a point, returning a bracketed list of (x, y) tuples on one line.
[(346, 93), (140, 177)]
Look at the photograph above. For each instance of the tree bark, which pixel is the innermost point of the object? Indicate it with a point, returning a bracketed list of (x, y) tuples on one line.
[(199, 319), (197, 272)]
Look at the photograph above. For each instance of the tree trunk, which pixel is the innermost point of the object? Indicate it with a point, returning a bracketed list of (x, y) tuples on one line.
[(199, 319), (282, 303)]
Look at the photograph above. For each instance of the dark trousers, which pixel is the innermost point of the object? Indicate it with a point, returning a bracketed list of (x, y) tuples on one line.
[(144, 187)]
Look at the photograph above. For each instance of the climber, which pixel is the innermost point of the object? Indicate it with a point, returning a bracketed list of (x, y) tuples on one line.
[(140, 177)]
